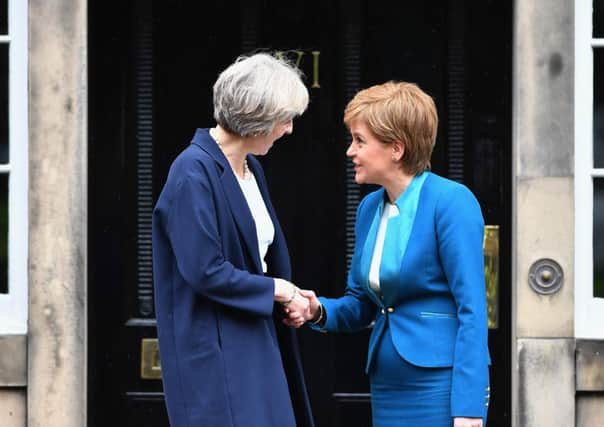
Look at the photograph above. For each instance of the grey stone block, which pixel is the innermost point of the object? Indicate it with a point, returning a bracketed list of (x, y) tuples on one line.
[(546, 382), (12, 407), (590, 409), (13, 360), (590, 366), (543, 88)]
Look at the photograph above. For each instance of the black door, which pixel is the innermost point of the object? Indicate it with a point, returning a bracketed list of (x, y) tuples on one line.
[(152, 66)]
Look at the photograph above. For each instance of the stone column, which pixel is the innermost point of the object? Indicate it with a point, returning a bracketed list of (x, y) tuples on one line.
[(543, 192), (56, 395)]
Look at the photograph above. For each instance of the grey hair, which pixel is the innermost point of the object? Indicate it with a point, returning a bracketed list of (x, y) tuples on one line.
[(256, 92)]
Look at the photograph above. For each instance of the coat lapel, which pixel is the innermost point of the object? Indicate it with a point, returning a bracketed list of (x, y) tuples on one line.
[(277, 256), (239, 208)]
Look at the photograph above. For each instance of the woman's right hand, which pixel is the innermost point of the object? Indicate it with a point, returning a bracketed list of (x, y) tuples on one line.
[(314, 303), (312, 315)]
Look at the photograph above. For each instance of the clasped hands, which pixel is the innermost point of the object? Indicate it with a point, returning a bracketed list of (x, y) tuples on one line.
[(299, 305)]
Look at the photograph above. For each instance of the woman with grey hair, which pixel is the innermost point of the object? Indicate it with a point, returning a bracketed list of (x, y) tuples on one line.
[(221, 265)]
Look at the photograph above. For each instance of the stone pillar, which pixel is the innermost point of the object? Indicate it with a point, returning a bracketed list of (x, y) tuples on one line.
[(543, 191), (56, 394), (13, 379)]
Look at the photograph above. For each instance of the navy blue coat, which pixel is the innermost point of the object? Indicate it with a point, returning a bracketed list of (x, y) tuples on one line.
[(226, 358)]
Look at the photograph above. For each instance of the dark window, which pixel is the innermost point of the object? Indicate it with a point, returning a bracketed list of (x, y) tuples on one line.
[(598, 234), (599, 108), (3, 233), (598, 18), (3, 103), (3, 16), (3, 155)]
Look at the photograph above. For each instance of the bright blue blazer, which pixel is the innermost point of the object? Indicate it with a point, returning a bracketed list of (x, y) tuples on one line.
[(227, 360), (437, 313)]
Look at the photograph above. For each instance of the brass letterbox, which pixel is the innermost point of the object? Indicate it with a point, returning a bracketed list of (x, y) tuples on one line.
[(150, 364)]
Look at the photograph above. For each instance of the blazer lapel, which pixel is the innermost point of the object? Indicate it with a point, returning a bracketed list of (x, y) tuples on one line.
[(239, 208), (367, 252)]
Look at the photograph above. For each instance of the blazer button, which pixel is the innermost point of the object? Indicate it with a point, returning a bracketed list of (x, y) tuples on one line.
[(383, 311), (390, 310)]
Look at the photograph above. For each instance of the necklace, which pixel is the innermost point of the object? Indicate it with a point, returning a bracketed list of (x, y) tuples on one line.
[(246, 169)]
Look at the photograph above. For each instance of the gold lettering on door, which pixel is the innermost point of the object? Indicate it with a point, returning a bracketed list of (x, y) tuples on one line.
[(303, 65), (315, 69)]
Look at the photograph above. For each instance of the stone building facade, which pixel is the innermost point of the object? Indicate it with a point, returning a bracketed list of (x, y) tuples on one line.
[(557, 207)]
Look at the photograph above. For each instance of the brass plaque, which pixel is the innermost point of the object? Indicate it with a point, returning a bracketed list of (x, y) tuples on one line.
[(150, 364), (490, 247)]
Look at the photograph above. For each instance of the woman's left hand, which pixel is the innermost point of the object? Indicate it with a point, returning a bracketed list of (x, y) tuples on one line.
[(467, 422)]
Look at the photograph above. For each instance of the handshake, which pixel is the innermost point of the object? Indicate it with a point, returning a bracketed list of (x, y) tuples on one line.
[(299, 305)]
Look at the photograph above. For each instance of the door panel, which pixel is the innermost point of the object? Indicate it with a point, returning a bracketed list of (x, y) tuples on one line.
[(152, 66)]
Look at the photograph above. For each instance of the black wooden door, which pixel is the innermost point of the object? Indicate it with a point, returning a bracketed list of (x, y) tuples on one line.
[(152, 66)]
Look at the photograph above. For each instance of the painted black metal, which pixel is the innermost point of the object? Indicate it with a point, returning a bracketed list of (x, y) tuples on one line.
[(143, 70)]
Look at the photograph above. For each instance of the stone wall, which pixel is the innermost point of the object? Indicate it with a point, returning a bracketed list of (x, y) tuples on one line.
[(56, 393), (543, 193)]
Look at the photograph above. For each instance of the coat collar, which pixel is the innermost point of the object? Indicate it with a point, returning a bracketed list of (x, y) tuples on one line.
[(234, 195)]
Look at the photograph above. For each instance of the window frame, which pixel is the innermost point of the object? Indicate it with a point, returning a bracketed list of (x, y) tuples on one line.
[(14, 304), (589, 310)]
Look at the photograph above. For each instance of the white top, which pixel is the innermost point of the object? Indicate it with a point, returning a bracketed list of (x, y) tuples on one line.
[(265, 230), (390, 211)]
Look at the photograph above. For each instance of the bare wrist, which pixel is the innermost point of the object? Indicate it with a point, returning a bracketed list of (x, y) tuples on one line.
[(283, 290), (291, 297)]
